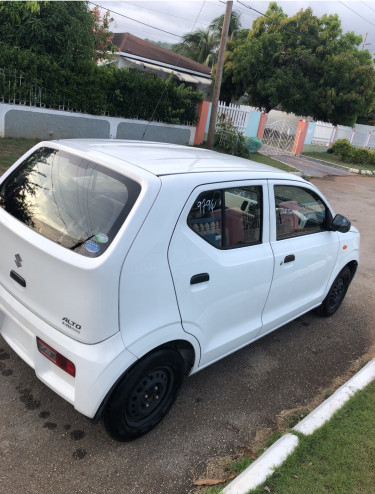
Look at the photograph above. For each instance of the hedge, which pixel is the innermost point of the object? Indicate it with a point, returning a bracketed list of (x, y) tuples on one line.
[(31, 79), (349, 153)]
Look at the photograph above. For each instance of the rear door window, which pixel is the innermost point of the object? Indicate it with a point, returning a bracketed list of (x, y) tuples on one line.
[(74, 202), (228, 218)]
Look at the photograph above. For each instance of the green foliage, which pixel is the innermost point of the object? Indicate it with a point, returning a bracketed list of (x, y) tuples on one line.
[(362, 156), (301, 64), (59, 29), (93, 89), (343, 149), (229, 139), (202, 45)]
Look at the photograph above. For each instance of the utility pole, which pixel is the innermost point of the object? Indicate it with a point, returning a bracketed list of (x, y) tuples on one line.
[(219, 74), (364, 42)]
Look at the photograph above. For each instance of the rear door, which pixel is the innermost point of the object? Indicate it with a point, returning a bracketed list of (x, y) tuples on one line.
[(305, 251), (222, 264)]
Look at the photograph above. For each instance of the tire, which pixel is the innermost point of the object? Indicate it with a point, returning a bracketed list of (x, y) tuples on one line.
[(336, 294), (144, 396)]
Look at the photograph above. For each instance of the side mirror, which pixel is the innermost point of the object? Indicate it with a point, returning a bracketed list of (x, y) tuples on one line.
[(340, 224)]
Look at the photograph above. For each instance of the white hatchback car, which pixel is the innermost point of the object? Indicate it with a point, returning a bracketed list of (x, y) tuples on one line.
[(125, 265)]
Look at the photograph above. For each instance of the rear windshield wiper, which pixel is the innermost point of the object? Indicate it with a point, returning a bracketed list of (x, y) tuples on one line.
[(81, 242)]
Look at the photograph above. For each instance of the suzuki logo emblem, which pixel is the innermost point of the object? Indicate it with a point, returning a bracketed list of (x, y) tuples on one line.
[(18, 260)]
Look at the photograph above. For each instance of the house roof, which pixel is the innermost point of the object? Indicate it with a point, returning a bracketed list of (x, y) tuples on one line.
[(128, 43)]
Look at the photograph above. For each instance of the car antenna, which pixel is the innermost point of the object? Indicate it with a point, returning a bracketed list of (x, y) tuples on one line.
[(166, 86)]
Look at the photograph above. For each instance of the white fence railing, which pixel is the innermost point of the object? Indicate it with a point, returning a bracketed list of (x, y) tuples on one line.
[(238, 114), (343, 132), (325, 133), (322, 133)]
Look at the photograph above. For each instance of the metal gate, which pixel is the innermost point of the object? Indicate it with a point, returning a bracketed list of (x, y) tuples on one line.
[(278, 138)]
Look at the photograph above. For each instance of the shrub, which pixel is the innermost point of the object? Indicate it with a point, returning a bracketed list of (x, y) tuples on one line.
[(343, 149), (372, 158), (361, 156), (229, 139)]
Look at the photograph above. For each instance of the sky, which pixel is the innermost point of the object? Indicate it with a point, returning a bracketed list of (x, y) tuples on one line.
[(175, 18)]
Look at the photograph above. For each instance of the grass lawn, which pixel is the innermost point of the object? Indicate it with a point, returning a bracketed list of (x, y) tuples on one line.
[(11, 149), (259, 158), (333, 158), (339, 458)]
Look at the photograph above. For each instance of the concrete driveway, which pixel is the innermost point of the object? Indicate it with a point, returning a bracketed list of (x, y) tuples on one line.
[(45, 446), (310, 167)]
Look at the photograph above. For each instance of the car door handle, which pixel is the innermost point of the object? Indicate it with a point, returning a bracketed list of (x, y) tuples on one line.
[(289, 258), (199, 278), (16, 277)]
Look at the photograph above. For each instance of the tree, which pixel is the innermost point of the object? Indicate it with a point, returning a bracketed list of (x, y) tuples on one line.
[(301, 64), (234, 25), (202, 45), (66, 31), (102, 35)]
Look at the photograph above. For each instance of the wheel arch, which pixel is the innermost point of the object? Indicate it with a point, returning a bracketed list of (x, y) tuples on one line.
[(183, 347)]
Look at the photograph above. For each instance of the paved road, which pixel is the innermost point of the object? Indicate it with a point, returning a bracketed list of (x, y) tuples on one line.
[(308, 166), (45, 446)]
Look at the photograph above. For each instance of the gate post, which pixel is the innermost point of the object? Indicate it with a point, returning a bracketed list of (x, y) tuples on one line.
[(367, 141), (299, 140), (262, 125), (201, 124), (333, 135)]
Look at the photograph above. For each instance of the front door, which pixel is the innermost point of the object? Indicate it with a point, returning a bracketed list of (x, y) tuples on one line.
[(222, 265), (305, 252)]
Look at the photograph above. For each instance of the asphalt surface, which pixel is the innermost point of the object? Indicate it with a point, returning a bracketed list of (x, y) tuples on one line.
[(46, 446)]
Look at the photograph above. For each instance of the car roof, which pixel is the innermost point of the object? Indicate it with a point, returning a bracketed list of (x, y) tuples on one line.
[(169, 159)]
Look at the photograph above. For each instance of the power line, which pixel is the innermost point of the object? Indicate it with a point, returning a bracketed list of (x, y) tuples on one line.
[(159, 12), (127, 27), (165, 87), (359, 15), (135, 20), (368, 6)]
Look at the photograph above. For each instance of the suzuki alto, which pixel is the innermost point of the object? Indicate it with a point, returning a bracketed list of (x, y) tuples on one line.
[(127, 265)]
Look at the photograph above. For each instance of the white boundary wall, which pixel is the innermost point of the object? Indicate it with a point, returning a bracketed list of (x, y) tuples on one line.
[(41, 123)]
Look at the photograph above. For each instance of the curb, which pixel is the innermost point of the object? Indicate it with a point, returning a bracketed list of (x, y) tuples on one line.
[(274, 456)]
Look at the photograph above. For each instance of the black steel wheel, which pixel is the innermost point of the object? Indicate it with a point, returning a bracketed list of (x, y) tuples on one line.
[(336, 294), (145, 395)]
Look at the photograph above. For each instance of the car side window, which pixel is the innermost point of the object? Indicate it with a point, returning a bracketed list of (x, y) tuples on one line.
[(299, 211), (228, 218)]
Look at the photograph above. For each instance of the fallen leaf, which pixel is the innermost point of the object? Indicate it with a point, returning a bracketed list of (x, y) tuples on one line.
[(267, 489), (295, 476), (214, 481), (249, 452)]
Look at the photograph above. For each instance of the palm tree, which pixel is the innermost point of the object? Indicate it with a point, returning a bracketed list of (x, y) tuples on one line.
[(234, 25), (203, 45), (200, 45)]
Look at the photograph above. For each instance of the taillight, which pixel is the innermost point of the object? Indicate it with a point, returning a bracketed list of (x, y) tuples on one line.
[(56, 357)]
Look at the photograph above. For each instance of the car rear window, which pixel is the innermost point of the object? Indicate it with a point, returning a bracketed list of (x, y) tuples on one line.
[(74, 202)]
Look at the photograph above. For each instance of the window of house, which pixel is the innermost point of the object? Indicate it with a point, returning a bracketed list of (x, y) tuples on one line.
[(299, 211), (228, 218)]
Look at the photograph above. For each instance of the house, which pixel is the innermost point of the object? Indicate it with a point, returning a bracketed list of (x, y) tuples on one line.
[(137, 53)]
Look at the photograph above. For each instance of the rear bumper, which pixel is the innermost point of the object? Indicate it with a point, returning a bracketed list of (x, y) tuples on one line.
[(98, 366)]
